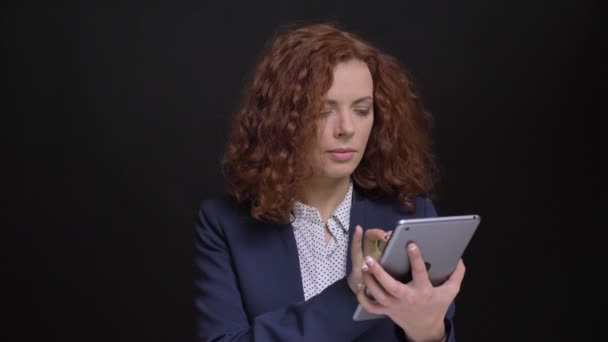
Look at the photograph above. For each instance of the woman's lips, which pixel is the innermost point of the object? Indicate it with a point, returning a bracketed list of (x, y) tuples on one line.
[(342, 154)]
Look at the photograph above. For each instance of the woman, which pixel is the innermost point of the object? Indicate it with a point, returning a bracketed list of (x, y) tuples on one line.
[(330, 147)]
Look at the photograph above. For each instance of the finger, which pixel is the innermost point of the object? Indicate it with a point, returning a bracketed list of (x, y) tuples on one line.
[(383, 243), (356, 253), (452, 285), (419, 273), (391, 286), (375, 234), (371, 238), (354, 278), (369, 305), (375, 289)]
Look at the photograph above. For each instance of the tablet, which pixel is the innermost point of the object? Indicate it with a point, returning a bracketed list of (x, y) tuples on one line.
[(442, 241)]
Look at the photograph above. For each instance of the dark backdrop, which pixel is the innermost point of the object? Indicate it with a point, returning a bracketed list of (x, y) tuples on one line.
[(122, 113)]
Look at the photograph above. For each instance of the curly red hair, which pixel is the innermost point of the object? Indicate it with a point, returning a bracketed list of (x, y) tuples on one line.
[(277, 124)]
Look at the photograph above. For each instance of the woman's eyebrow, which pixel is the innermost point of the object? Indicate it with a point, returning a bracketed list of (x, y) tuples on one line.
[(365, 98), (357, 101)]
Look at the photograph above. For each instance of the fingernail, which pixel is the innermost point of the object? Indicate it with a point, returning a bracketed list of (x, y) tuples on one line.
[(387, 236), (412, 246), (359, 287), (369, 260), (364, 268)]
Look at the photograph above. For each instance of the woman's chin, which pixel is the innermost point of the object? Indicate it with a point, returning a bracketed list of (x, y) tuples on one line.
[(339, 173)]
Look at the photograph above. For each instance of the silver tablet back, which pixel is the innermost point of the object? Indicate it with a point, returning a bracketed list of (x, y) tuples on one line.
[(442, 241)]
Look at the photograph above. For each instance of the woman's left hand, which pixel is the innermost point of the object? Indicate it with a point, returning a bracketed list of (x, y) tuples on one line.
[(417, 307)]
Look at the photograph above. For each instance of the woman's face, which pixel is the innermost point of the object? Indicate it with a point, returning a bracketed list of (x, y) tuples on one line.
[(347, 119)]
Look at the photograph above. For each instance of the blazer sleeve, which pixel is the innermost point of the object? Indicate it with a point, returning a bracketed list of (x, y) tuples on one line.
[(220, 315)]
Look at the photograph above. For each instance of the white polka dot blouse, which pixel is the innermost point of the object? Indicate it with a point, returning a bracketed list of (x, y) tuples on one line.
[(321, 265)]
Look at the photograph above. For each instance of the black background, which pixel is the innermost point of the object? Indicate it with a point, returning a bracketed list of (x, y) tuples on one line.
[(122, 113)]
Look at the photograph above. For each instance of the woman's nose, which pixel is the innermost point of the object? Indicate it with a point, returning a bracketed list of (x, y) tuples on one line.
[(345, 126)]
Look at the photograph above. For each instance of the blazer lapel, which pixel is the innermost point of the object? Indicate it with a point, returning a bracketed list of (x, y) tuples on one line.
[(289, 267)]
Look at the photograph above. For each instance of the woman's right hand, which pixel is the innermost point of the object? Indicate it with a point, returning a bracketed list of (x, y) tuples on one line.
[(374, 242)]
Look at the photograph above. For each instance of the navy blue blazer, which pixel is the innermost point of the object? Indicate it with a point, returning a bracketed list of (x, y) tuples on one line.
[(248, 283)]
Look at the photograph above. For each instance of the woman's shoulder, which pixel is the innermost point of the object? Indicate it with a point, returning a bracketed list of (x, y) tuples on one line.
[(422, 206), (217, 206), (228, 217), (218, 202)]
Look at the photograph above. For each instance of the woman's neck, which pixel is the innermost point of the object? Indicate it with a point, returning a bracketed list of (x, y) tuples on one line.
[(324, 194)]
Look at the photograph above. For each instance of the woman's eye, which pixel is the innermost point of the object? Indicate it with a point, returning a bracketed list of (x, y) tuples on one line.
[(362, 111)]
